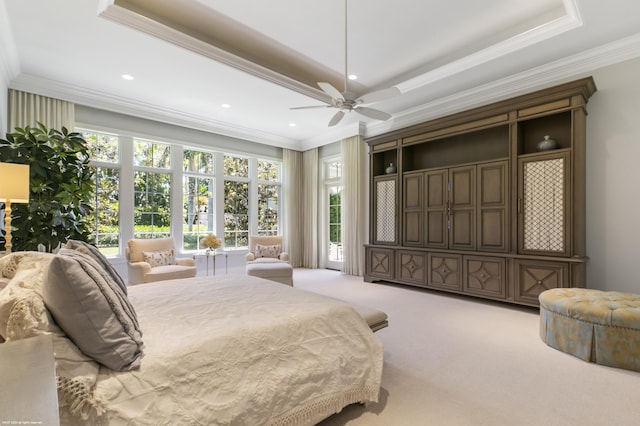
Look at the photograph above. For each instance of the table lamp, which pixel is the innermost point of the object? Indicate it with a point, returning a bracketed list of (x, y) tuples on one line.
[(14, 188)]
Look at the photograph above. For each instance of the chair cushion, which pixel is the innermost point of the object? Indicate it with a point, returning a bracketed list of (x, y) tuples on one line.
[(267, 260), (170, 272)]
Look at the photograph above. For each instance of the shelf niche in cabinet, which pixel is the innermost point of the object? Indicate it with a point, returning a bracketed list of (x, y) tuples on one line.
[(382, 160), (556, 126), (480, 145)]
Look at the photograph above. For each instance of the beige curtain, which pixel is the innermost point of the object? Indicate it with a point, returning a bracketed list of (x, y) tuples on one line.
[(310, 208), (353, 157), (292, 231), (27, 109)]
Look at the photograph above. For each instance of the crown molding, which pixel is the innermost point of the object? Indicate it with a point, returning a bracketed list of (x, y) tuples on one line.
[(569, 21), (334, 134), (556, 72), (145, 110)]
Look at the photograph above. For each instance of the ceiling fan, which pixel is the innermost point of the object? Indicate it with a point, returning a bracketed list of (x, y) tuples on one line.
[(345, 101)]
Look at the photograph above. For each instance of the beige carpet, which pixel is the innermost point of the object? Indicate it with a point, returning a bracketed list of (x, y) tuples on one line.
[(452, 360)]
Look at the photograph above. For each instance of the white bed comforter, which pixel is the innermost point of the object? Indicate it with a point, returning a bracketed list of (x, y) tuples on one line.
[(239, 350)]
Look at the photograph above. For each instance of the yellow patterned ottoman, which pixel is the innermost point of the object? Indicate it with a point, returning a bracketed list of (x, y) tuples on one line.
[(593, 325)]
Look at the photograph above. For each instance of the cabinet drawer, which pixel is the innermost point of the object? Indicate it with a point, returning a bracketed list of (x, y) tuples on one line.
[(532, 277), (485, 276), (445, 271), (380, 263), (411, 267)]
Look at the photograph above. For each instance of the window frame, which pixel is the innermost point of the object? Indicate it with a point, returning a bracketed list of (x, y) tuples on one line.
[(128, 170), (324, 217)]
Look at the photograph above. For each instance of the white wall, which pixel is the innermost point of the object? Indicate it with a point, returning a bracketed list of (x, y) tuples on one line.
[(613, 179), (4, 99)]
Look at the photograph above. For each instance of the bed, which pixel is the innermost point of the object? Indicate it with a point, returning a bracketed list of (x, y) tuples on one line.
[(225, 350)]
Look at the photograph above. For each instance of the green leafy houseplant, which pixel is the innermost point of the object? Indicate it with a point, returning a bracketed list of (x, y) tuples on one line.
[(60, 186)]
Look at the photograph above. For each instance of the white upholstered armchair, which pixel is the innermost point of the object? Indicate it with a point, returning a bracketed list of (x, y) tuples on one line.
[(154, 260), (266, 249)]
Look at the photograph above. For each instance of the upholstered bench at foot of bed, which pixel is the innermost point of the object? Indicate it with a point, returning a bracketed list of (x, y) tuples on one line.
[(596, 326), (279, 271)]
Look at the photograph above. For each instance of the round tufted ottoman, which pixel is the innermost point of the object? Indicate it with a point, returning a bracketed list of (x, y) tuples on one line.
[(593, 325)]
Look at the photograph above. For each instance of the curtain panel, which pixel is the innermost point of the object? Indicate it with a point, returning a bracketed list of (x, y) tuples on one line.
[(293, 234), (27, 109), (310, 208), (353, 157)]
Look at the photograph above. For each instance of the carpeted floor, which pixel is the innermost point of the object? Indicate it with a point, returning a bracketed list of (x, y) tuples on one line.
[(453, 360)]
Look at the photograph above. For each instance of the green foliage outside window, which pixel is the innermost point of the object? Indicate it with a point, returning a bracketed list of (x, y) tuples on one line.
[(152, 190), (236, 214), (199, 209), (268, 200), (236, 166), (151, 154), (106, 209), (334, 216), (105, 232), (152, 204)]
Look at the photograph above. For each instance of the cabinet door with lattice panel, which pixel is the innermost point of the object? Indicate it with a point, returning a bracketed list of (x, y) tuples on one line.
[(544, 204), (385, 205)]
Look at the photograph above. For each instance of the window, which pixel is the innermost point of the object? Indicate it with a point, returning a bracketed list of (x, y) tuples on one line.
[(199, 197), (135, 179), (104, 153), (333, 208), (151, 190), (236, 202), (335, 227), (151, 154), (152, 205), (268, 197)]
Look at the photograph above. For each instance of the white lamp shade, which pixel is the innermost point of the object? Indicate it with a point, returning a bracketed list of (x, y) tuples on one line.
[(14, 182)]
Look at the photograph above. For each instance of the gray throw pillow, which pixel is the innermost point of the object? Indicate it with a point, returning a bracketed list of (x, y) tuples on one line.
[(93, 310), (92, 251)]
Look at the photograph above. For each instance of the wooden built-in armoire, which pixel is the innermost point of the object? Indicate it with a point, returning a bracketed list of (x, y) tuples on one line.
[(472, 203)]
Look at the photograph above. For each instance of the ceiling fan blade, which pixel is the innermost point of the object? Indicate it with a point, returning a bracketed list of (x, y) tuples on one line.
[(372, 113), (311, 107), (331, 91), (336, 118), (378, 95)]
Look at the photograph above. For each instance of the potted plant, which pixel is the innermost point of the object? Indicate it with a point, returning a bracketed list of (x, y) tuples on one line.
[(61, 186)]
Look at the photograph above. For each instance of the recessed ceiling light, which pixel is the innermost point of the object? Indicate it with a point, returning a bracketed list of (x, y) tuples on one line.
[(225, 106), (353, 77), (127, 77), (292, 124)]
